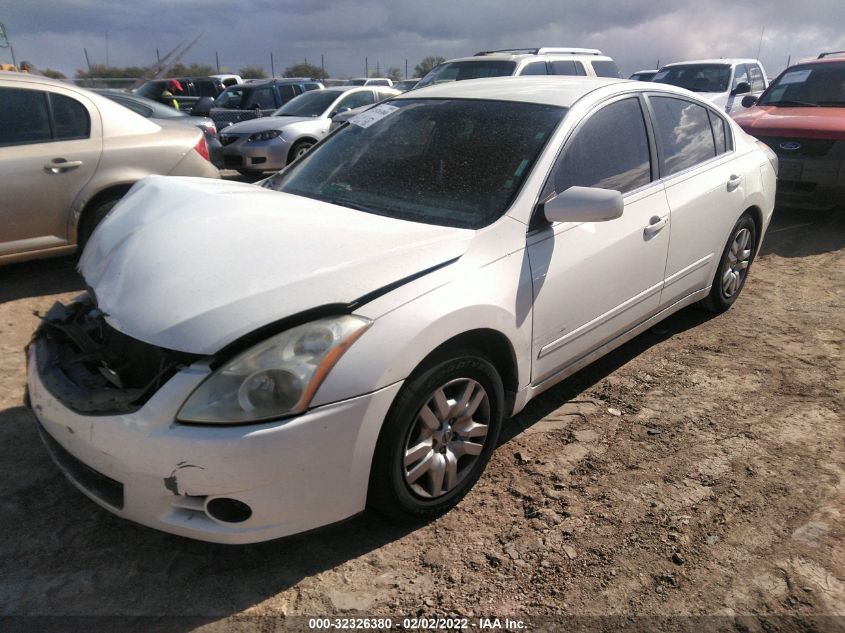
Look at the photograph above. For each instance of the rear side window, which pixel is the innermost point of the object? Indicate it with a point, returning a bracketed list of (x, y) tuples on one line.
[(534, 68), (605, 68), (24, 117), (609, 151), (567, 67), (356, 100), (286, 93), (740, 76), (758, 83), (683, 131), (70, 118), (264, 99), (720, 132)]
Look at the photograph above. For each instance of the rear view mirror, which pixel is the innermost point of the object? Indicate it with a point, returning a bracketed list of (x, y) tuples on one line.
[(748, 101), (583, 204), (741, 88), (202, 107)]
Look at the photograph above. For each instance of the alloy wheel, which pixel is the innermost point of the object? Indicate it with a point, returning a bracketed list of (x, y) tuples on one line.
[(446, 438), (736, 264)]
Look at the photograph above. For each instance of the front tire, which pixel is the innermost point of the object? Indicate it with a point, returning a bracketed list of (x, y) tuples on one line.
[(733, 267), (437, 439), (300, 149)]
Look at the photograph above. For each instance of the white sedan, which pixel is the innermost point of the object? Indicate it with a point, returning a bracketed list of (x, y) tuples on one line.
[(256, 361)]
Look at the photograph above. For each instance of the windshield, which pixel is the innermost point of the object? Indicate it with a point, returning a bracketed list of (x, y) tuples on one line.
[(458, 71), (232, 98), (808, 85), (447, 162), (696, 77), (311, 104)]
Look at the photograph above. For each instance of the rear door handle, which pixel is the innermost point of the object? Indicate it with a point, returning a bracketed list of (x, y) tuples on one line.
[(655, 224), (59, 165), (734, 181)]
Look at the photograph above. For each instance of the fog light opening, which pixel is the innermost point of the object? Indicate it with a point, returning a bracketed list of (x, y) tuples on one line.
[(228, 510)]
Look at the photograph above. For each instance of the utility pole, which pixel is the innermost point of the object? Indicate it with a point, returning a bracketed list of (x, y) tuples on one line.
[(158, 57), (406, 68), (322, 67), (87, 60), (107, 47), (217, 60), (366, 67), (12, 50), (272, 66)]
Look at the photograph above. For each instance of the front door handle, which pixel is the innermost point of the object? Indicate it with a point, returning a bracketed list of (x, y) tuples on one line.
[(734, 181), (655, 224), (59, 165)]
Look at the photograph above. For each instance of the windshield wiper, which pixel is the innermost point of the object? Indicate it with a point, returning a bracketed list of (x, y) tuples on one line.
[(791, 103)]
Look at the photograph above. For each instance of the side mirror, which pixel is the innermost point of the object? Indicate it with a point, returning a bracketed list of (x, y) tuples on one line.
[(583, 204), (741, 88), (749, 101), (203, 107), (340, 111)]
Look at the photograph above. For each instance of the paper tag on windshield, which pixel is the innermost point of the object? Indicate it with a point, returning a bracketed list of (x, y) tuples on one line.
[(795, 77), (366, 119)]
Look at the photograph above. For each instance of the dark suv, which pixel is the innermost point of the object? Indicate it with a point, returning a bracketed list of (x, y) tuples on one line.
[(254, 99), (193, 89)]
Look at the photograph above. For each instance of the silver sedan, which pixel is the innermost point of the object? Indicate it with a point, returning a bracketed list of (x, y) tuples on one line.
[(270, 143)]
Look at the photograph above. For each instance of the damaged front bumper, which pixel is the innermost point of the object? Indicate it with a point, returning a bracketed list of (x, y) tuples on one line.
[(139, 463)]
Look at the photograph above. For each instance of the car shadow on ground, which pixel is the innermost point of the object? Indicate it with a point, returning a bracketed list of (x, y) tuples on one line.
[(40, 277), (69, 556), (800, 233)]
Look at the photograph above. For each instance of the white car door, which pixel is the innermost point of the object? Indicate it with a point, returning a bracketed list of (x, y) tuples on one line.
[(593, 281), (704, 188)]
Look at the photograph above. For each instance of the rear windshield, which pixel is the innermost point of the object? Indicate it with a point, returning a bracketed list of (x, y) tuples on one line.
[(458, 71), (808, 85), (449, 162), (696, 77), (605, 68), (152, 89), (312, 103), (357, 82)]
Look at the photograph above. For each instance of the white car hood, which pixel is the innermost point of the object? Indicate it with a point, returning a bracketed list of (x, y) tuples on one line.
[(191, 264)]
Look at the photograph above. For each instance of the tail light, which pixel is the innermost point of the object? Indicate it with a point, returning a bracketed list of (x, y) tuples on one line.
[(201, 148), (773, 158)]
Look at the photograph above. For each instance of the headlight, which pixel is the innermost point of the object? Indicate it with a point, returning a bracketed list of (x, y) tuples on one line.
[(275, 378), (264, 136)]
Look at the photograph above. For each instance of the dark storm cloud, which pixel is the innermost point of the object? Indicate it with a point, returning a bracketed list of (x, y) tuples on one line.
[(635, 32)]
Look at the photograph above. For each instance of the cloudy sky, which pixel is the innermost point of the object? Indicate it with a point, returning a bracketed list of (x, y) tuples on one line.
[(636, 33)]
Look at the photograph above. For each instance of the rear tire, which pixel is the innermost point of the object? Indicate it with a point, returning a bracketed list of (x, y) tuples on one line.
[(437, 438), (734, 266), (91, 219)]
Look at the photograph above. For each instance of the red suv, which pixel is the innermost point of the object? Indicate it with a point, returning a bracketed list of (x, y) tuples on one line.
[(801, 116)]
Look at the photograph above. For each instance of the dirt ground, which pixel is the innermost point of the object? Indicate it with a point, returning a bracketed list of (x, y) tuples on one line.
[(697, 471)]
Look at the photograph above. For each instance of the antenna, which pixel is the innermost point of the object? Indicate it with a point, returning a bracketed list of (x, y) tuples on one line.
[(762, 30)]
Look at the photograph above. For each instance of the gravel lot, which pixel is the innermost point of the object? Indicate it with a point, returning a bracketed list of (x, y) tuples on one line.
[(697, 471)]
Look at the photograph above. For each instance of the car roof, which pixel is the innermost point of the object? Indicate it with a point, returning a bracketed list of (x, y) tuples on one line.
[(821, 60), (515, 57), (726, 61), (550, 90)]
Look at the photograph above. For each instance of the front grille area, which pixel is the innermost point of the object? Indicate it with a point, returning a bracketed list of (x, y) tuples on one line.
[(91, 368), (104, 488), (806, 147)]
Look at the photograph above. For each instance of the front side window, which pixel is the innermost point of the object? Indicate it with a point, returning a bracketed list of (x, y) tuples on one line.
[(606, 69), (205, 88), (24, 117), (740, 76), (450, 162), (231, 98), (696, 77), (534, 68), (683, 133), (475, 69), (286, 93), (70, 118), (567, 67), (609, 151), (311, 104), (758, 82), (808, 85)]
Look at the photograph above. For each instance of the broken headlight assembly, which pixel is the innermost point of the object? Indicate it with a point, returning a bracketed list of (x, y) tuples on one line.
[(275, 378)]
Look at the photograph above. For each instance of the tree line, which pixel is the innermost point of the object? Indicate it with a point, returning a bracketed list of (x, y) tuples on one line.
[(101, 71)]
